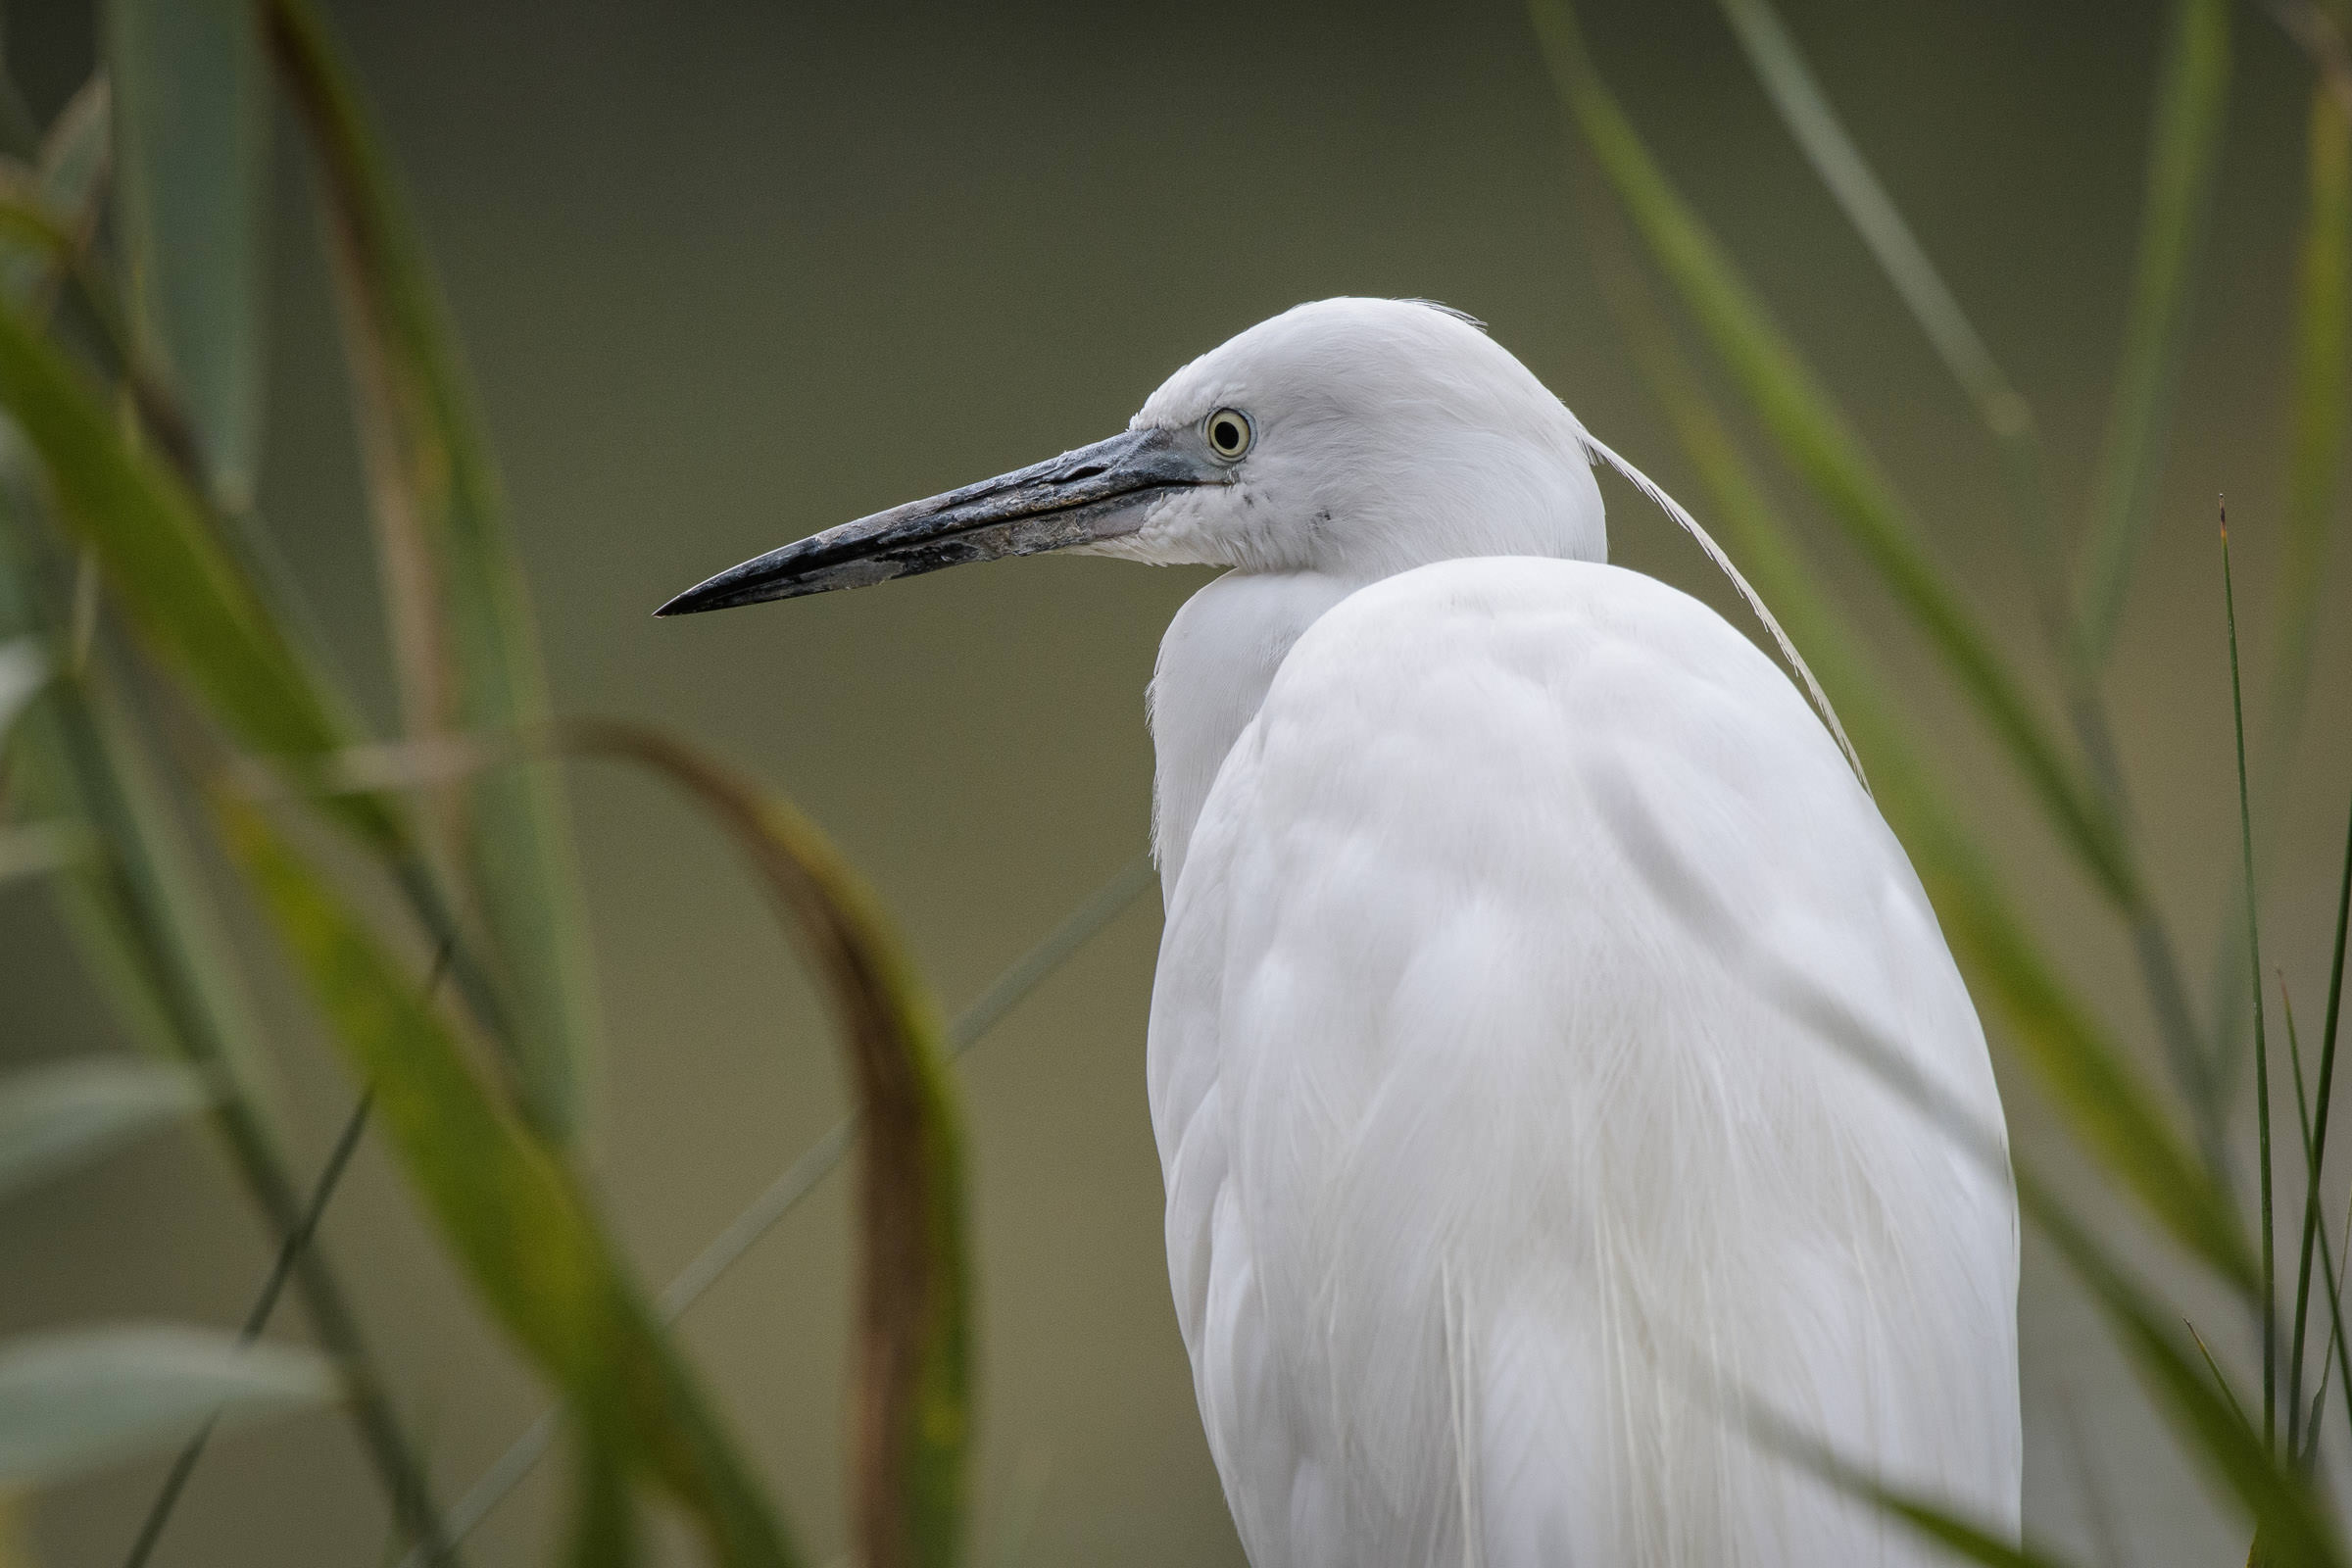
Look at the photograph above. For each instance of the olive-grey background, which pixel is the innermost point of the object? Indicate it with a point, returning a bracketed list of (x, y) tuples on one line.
[(729, 273)]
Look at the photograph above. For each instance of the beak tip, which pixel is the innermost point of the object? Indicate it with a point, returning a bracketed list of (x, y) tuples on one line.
[(691, 602)]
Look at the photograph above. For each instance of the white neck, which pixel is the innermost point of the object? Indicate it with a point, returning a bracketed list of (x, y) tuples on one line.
[(1215, 663)]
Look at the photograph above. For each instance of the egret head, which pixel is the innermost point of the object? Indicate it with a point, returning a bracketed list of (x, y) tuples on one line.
[(1354, 437)]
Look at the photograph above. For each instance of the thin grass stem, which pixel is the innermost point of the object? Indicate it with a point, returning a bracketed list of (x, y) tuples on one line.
[(257, 1317), (2220, 1382), (2262, 1054)]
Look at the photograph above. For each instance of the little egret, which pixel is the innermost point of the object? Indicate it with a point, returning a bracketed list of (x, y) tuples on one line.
[(1507, 1223)]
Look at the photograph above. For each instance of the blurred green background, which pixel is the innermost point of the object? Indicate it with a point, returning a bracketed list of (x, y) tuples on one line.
[(730, 272)]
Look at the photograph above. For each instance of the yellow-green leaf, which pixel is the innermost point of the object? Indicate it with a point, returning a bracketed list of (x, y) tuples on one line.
[(197, 612)]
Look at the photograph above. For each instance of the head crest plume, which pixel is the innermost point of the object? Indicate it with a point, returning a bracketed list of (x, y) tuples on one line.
[(1755, 601)]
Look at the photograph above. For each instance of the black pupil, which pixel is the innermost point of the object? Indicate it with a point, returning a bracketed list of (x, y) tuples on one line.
[(1228, 434)]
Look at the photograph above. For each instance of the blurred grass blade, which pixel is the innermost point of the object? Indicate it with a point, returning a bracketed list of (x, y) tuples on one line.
[(604, 1519), (191, 102), (78, 149), (2221, 1379), (145, 921), (2323, 345), (467, 652), (23, 670), (72, 159), (2103, 1104), (40, 847), (2321, 1105), (56, 1117), (1780, 66), (170, 570), (2296, 1445), (911, 1425), (2262, 1054), (2290, 1525), (75, 1401), (1937, 1521), (2192, 103), (134, 900), (1824, 449), (509, 1210)]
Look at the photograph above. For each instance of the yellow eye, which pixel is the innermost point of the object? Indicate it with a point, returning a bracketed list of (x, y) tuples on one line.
[(1229, 434)]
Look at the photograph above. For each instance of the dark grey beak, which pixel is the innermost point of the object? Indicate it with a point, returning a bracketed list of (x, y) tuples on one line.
[(1080, 498)]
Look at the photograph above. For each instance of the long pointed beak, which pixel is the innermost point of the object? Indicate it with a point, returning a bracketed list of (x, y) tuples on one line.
[(1093, 493)]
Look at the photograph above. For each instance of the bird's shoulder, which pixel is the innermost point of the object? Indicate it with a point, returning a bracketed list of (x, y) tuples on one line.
[(1492, 681), (1579, 626)]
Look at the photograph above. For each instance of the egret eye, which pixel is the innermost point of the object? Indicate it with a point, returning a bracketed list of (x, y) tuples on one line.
[(1230, 434)]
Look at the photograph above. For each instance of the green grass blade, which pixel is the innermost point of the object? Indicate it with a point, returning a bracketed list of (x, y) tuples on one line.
[(2298, 1446), (2336, 969), (1962, 1538), (2322, 337), (509, 1210), (2339, 1346), (2102, 1103), (191, 101), (2262, 1054), (2288, 1519), (468, 650), (1780, 66), (2184, 153), (56, 1117), (2220, 1382), (133, 898), (178, 585), (604, 1517), (1824, 449), (912, 1426), (75, 1401), (23, 670)]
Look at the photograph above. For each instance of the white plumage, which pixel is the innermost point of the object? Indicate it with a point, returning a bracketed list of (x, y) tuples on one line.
[(1491, 1191), (1504, 1210)]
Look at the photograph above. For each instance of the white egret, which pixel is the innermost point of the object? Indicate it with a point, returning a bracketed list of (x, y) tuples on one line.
[(1492, 1190)]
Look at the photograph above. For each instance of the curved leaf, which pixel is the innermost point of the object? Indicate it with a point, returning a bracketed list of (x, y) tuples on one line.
[(912, 1423), (55, 1117), (75, 1401)]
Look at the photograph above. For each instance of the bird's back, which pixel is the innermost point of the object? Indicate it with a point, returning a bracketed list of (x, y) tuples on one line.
[(1491, 1191)]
